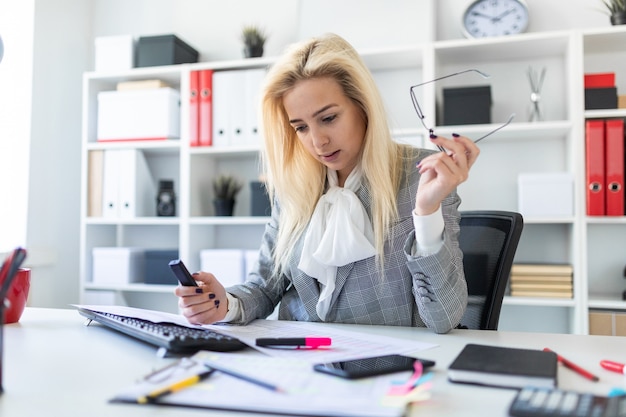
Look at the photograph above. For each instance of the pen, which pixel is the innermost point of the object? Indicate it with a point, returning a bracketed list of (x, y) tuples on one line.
[(571, 365), (176, 386), (243, 377), (308, 342), (613, 366)]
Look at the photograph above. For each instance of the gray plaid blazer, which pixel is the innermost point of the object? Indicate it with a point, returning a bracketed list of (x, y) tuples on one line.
[(412, 291)]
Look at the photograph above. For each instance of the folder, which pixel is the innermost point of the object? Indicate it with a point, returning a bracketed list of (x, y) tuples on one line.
[(254, 81), (95, 172), (229, 115), (594, 159), (614, 172), (194, 97), (128, 188), (206, 108)]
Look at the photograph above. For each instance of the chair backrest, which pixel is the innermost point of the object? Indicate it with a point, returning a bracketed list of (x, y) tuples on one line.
[(488, 241)]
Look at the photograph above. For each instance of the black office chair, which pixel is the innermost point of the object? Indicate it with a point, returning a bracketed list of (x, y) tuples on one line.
[(489, 241)]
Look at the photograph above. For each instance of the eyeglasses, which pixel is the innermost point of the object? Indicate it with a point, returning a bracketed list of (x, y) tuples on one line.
[(421, 115)]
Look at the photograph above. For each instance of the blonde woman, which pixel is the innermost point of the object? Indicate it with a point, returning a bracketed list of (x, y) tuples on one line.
[(363, 229)]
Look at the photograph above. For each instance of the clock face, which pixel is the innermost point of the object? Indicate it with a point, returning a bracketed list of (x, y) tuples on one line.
[(487, 18)]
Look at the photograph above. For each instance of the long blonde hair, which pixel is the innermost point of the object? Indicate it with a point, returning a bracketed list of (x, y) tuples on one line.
[(294, 177)]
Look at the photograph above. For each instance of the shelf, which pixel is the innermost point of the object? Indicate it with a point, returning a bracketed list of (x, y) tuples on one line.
[(142, 288), (515, 131), (608, 302), (229, 220), (616, 220), (535, 301), (605, 114), (157, 146), (137, 221), (225, 151)]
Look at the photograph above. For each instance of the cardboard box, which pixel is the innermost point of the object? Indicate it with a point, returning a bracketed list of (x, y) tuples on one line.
[(546, 194), (621, 102), (157, 270), (228, 265), (467, 105), (607, 323), (600, 98), (114, 53), (139, 115), (164, 50), (118, 265)]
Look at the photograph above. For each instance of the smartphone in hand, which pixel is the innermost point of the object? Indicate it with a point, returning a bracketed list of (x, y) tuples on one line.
[(182, 273), (378, 365)]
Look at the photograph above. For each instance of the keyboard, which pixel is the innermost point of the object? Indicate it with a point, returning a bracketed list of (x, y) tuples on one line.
[(172, 337)]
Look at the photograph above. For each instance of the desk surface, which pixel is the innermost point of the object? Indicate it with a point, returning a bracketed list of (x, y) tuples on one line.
[(56, 366)]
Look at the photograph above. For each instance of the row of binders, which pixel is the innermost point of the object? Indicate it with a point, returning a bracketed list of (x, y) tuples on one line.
[(541, 280), (223, 107), (604, 160)]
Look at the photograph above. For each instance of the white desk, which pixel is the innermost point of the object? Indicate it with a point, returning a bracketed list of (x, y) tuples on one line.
[(55, 366)]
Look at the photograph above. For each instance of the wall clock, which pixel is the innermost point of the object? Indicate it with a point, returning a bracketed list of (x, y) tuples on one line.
[(488, 18)]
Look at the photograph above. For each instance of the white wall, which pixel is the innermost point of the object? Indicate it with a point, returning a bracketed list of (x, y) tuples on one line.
[(63, 39)]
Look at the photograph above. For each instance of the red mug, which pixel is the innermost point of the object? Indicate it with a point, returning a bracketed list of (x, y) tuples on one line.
[(17, 296)]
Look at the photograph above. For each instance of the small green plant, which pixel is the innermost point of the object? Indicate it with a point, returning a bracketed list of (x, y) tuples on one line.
[(226, 187), (253, 36), (615, 6)]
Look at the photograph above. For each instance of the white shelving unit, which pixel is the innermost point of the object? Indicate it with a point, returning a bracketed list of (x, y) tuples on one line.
[(594, 246)]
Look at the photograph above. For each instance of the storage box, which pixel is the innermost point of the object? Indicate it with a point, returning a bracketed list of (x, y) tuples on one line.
[(139, 115), (467, 105), (621, 102), (118, 265), (114, 53), (157, 269), (164, 50), (607, 323), (228, 265), (546, 194), (600, 98), (600, 80), (260, 201)]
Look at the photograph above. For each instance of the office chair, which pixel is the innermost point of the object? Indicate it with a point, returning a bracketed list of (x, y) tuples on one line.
[(488, 241)]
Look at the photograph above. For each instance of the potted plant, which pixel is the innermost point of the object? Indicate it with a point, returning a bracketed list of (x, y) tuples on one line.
[(617, 11), (225, 189), (253, 38)]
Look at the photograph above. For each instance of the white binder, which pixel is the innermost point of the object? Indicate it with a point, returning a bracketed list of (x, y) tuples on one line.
[(254, 81)]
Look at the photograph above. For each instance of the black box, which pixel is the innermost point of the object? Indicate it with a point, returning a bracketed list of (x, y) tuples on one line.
[(157, 266), (164, 50), (467, 105), (600, 98), (260, 201)]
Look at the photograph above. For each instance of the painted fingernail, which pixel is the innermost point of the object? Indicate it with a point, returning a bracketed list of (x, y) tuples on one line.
[(433, 136), (217, 303), (456, 135), (211, 296), (195, 273), (199, 291)]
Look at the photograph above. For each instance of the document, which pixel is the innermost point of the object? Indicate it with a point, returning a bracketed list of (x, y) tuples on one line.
[(302, 390), (346, 343)]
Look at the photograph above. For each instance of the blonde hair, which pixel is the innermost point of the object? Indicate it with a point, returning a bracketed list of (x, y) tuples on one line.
[(295, 178)]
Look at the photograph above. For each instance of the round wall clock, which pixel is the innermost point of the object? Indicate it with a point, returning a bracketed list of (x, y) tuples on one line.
[(487, 18)]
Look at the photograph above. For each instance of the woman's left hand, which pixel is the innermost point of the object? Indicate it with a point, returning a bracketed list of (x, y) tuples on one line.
[(442, 172)]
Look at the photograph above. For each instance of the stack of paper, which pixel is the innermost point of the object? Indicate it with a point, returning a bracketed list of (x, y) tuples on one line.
[(541, 280)]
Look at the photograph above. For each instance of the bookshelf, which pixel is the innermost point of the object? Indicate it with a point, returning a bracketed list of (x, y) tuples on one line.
[(591, 245)]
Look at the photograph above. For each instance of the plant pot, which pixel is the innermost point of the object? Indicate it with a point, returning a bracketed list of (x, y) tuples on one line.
[(224, 207), (618, 18), (252, 51)]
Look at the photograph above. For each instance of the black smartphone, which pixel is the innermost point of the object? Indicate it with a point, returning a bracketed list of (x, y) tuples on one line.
[(182, 273), (378, 365)]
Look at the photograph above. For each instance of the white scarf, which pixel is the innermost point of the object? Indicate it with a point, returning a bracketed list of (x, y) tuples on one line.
[(339, 233)]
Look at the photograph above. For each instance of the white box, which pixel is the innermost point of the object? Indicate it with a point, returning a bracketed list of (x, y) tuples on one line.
[(151, 114), (546, 194), (118, 265), (228, 265), (114, 53)]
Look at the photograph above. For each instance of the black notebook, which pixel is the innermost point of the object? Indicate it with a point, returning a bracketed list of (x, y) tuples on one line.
[(506, 367)]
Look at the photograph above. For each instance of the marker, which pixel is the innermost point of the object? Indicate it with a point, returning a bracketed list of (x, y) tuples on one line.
[(299, 342), (177, 386), (571, 365), (613, 366)]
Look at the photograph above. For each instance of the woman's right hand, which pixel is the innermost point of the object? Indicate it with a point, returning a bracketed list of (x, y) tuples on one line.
[(204, 304)]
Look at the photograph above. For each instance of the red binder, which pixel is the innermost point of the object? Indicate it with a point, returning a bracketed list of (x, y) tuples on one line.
[(594, 158), (194, 84), (206, 108), (614, 173)]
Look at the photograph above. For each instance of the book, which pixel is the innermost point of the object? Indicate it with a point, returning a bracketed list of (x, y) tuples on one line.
[(540, 287), (498, 366), (95, 178), (548, 294), (547, 279), (541, 269)]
